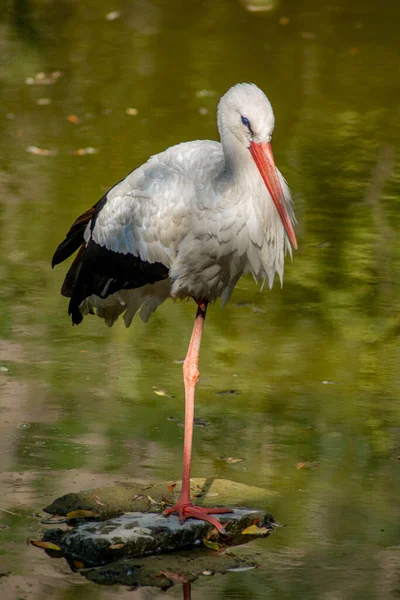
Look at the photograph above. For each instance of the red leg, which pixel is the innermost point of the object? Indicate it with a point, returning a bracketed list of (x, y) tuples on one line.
[(184, 506), (187, 594)]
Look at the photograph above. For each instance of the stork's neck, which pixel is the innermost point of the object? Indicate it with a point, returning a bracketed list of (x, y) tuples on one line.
[(239, 169)]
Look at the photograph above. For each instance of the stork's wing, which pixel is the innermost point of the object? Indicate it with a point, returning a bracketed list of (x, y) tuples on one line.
[(130, 237), (97, 270), (156, 206)]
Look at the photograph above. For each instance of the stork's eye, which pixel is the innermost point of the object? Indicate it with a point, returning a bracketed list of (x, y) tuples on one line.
[(246, 122)]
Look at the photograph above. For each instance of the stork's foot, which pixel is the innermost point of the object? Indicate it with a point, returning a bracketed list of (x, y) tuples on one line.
[(187, 510)]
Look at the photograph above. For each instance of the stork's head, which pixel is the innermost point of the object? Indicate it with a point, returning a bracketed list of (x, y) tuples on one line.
[(245, 114)]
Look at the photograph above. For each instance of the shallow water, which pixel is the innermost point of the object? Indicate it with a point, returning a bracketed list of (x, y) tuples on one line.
[(313, 367)]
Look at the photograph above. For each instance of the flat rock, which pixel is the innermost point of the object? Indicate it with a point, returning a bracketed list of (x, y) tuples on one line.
[(134, 497), (137, 534), (117, 535)]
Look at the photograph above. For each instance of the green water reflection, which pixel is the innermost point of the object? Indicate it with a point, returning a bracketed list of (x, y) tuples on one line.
[(315, 365)]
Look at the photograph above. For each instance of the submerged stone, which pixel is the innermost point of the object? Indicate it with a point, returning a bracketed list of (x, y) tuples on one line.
[(165, 570)]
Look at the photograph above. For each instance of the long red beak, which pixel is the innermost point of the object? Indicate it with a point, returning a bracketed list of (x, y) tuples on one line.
[(264, 159)]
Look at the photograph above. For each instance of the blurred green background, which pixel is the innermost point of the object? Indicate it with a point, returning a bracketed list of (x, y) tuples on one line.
[(310, 372)]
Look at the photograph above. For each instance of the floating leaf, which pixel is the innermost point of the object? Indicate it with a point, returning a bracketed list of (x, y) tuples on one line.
[(40, 151), (161, 392), (46, 545), (231, 460), (82, 514), (241, 569), (152, 501), (78, 564), (111, 16), (204, 93), (132, 111), (211, 545), (43, 78), (73, 118), (88, 150), (284, 20), (309, 464), (254, 530), (175, 577)]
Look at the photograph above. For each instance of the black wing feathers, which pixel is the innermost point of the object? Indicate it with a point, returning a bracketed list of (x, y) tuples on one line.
[(73, 239), (97, 270), (103, 272)]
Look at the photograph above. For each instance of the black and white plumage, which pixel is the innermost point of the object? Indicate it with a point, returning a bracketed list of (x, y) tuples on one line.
[(187, 223)]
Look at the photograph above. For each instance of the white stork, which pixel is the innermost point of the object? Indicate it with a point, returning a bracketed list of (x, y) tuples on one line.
[(187, 223)]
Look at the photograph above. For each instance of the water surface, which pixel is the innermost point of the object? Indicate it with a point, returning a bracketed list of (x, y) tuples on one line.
[(314, 366)]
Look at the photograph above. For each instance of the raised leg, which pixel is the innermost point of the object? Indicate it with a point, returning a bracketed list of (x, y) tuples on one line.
[(184, 507)]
